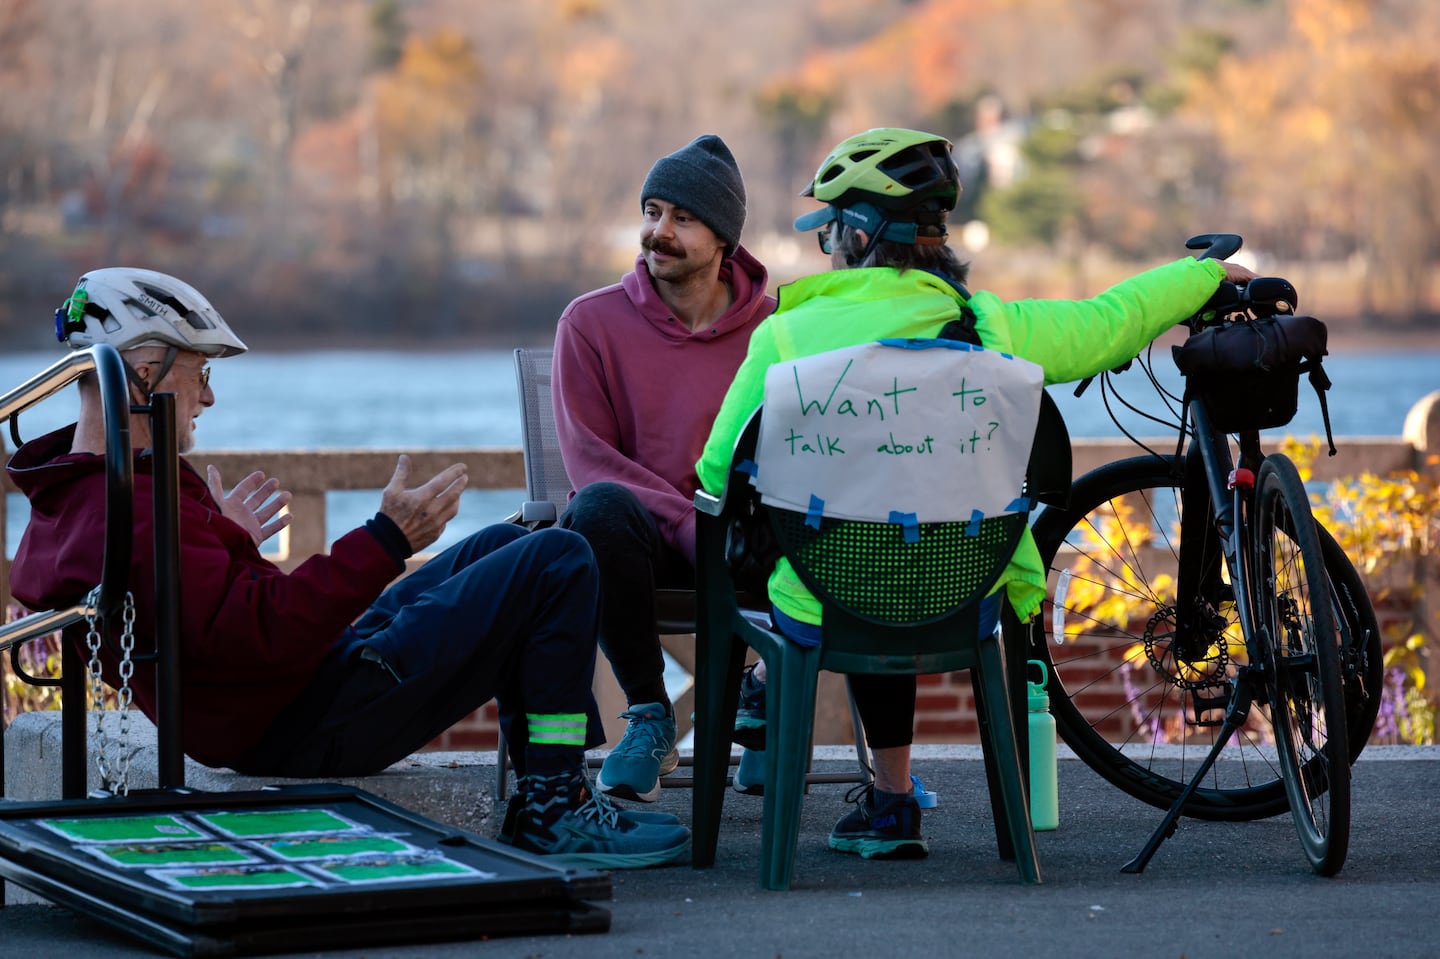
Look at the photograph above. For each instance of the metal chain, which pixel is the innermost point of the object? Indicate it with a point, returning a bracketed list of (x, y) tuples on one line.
[(97, 686), (124, 694)]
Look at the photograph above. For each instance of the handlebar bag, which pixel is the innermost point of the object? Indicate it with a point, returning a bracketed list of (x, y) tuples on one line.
[(1248, 371)]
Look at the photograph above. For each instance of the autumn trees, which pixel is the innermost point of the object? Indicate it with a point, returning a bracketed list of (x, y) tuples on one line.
[(453, 166)]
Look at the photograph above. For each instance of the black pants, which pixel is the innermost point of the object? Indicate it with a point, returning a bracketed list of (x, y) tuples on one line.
[(634, 561), (500, 615)]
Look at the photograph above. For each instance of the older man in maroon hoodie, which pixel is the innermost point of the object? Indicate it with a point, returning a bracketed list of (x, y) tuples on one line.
[(640, 369), (336, 668)]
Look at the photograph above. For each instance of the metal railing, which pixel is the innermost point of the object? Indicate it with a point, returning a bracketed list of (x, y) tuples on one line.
[(104, 361)]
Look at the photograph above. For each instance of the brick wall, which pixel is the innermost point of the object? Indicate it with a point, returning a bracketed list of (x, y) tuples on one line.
[(478, 731)]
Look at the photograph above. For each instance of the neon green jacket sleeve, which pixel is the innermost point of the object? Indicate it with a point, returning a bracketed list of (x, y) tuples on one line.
[(1073, 339)]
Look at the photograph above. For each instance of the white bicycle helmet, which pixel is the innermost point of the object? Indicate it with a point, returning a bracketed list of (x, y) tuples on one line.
[(129, 307)]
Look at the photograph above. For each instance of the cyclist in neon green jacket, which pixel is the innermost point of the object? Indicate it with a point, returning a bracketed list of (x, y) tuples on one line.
[(888, 194)]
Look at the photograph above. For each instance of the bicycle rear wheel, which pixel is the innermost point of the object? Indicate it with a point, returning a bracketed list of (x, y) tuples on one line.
[(1132, 710), (1362, 658), (1295, 613)]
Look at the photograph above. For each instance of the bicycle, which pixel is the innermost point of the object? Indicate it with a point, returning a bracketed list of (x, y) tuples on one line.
[(1190, 597)]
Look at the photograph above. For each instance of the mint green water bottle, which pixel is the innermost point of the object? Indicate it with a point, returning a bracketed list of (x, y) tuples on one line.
[(1044, 786)]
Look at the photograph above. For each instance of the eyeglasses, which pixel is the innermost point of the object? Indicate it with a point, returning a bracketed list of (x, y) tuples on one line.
[(824, 237), (202, 374)]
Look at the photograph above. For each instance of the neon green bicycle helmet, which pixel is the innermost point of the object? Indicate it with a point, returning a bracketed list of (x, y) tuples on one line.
[(909, 175)]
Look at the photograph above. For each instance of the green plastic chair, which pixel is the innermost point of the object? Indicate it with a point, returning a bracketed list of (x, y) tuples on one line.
[(888, 607)]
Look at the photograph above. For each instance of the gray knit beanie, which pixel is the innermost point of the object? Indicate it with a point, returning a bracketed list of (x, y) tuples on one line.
[(703, 178)]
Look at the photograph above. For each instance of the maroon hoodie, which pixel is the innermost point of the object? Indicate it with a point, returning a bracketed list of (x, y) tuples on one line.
[(636, 392), (251, 635)]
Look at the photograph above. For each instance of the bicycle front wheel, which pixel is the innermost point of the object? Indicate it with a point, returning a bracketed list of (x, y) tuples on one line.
[(1295, 615)]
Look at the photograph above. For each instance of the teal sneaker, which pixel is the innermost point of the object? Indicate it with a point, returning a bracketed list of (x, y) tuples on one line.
[(750, 716), (646, 752), (749, 778), (579, 827), (891, 831)]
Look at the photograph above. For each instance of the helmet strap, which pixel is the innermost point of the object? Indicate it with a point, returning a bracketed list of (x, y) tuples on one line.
[(870, 245), (878, 227), (148, 389)]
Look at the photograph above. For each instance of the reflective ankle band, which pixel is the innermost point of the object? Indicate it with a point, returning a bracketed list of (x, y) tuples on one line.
[(557, 729)]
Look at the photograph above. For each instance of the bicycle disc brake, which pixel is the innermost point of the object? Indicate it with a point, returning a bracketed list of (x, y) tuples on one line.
[(1202, 676)]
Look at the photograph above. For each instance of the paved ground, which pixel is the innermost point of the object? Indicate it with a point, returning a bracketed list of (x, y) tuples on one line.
[(1213, 890)]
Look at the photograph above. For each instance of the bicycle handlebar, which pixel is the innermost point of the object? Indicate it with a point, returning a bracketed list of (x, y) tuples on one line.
[(1262, 297), (1217, 246)]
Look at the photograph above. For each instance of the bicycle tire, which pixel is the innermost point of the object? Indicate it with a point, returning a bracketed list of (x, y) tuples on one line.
[(1295, 616), (1096, 714)]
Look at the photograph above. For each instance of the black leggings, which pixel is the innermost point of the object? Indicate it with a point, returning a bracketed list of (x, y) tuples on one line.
[(887, 703), (887, 708)]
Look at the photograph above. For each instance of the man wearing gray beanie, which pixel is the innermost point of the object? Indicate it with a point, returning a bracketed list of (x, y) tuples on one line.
[(702, 177), (640, 368)]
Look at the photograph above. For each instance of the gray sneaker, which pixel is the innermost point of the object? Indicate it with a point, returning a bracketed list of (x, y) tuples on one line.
[(591, 833), (646, 752), (516, 805)]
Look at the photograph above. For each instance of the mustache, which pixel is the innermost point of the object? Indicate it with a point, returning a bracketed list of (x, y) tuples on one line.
[(651, 245)]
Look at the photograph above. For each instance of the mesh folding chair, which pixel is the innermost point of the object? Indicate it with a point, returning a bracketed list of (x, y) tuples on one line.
[(893, 601), (547, 487)]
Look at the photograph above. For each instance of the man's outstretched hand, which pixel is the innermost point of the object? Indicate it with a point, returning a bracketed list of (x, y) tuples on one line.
[(422, 512), (254, 503)]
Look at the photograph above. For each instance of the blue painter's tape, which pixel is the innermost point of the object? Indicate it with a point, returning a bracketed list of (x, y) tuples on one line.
[(1020, 504), (817, 510), (917, 343), (747, 467), (909, 525), (973, 527)]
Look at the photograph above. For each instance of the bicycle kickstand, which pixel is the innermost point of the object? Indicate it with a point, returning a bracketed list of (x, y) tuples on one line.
[(1235, 715)]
